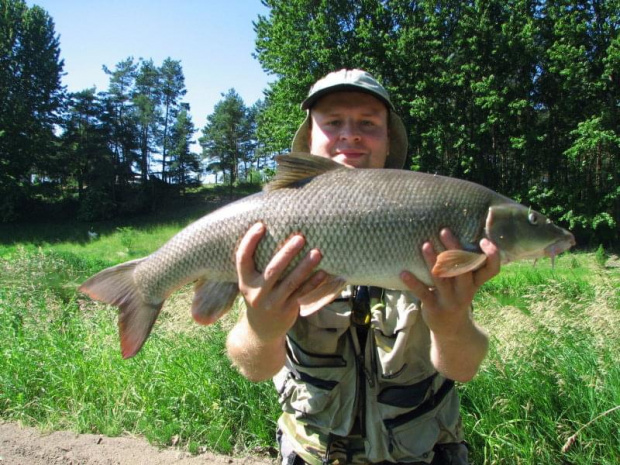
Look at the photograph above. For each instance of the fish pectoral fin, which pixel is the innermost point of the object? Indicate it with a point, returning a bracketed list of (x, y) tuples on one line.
[(212, 300), (116, 286), (322, 295), (452, 263)]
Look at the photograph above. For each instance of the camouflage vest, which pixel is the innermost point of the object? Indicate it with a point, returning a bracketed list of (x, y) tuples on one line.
[(383, 400)]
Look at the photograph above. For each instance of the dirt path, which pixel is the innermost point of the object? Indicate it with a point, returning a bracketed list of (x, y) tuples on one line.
[(28, 446)]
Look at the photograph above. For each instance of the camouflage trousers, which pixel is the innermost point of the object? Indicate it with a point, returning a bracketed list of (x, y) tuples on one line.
[(350, 451)]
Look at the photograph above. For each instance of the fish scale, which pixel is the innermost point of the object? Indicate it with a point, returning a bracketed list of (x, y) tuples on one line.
[(369, 225)]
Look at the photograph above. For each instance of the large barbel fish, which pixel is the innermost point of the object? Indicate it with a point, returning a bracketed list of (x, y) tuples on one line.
[(369, 225)]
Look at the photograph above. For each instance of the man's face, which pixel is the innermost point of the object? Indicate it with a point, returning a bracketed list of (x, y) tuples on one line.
[(351, 128)]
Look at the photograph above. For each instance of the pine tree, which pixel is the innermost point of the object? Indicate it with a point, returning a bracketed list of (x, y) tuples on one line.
[(30, 98), (225, 136)]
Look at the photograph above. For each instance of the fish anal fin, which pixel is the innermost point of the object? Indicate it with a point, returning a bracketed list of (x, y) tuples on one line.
[(295, 167), (322, 295), (116, 286), (452, 263), (212, 299)]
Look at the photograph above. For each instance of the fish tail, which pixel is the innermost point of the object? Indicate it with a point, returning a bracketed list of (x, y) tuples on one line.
[(116, 286)]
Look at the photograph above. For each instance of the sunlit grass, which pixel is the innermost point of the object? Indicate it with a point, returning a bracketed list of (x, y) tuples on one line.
[(61, 368), (553, 365)]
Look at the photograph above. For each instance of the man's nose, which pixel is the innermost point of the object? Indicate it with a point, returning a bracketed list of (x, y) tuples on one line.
[(350, 130)]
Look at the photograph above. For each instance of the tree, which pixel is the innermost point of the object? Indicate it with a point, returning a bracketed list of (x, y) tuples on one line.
[(184, 165), (30, 98), (579, 97), (226, 136), (146, 99), (519, 95), (87, 155), (172, 89), (120, 116)]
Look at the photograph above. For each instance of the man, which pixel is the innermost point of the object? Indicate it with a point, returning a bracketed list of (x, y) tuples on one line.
[(368, 378)]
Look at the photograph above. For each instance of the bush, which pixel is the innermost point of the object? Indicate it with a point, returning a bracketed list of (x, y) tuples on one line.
[(601, 255)]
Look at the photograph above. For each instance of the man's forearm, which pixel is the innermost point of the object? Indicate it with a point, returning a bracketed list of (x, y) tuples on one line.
[(458, 356), (256, 359)]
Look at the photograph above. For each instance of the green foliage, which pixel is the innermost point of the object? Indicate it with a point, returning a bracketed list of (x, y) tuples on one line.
[(601, 255), (518, 96), (30, 98), (96, 205), (227, 138), (528, 406), (553, 365), (172, 83), (184, 164), (107, 140)]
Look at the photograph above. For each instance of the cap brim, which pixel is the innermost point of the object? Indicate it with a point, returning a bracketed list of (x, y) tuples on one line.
[(312, 99)]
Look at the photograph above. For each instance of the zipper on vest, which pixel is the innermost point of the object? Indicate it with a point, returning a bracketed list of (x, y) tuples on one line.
[(364, 371), (390, 440), (361, 409), (363, 377)]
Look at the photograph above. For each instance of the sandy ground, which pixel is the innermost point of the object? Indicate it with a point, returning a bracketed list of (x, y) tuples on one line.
[(28, 446)]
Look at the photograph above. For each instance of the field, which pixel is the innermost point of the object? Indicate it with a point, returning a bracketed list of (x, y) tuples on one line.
[(547, 394)]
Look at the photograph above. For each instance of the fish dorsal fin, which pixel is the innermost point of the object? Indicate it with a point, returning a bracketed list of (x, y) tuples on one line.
[(298, 166)]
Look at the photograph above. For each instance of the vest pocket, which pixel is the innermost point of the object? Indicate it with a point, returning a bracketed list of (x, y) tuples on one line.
[(321, 334), (406, 396), (416, 431), (414, 439), (317, 401), (320, 386), (313, 360)]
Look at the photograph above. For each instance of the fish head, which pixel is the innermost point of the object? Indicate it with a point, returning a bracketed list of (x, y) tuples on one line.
[(520, 232)]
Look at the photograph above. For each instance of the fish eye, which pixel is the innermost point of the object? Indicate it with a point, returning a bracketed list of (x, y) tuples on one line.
[(532, 218)]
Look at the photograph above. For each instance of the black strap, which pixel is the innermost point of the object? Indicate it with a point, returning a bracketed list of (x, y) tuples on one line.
[(425, 407), (360, 306)]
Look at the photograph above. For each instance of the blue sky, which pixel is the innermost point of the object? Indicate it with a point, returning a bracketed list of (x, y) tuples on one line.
[(214, 39)]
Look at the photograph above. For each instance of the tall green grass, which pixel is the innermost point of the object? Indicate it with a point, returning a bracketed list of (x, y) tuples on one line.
[(61, 365), (553, 365)]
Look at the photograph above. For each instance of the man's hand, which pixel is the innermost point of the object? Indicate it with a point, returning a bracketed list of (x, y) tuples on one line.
[(256, 344), (447, 303), (458, 345), (271, 298)]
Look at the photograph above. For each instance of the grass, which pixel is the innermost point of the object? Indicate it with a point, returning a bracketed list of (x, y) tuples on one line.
[(554, 363), (61, 367)]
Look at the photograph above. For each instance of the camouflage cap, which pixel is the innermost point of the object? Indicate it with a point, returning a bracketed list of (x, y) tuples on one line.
[(359, 81)]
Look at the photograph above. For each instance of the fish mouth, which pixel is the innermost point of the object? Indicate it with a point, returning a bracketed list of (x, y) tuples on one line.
[(560, 245)]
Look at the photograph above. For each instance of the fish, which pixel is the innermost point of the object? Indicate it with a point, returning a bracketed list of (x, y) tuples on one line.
[(369, 225)]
